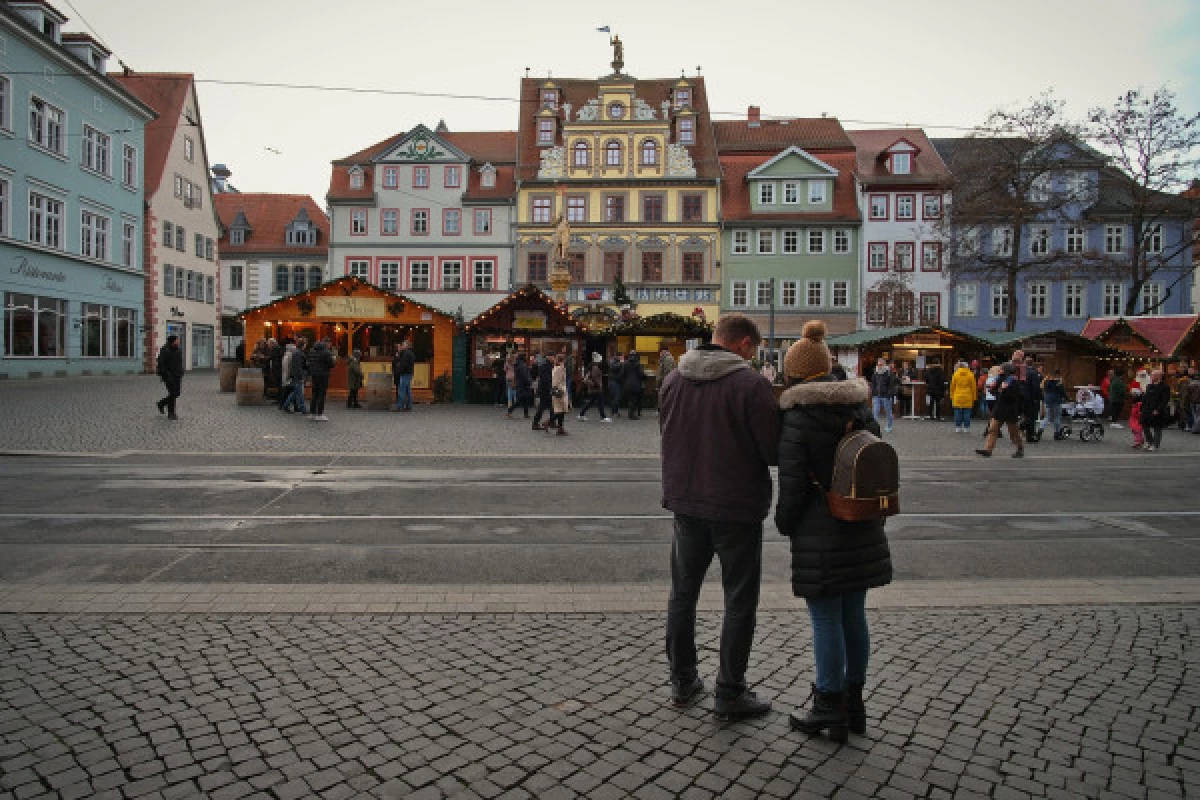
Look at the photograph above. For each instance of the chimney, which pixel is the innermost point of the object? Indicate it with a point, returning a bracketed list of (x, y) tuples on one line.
[(753, 116)]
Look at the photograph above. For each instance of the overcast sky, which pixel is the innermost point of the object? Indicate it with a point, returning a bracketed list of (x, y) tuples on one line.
[(873, 63)]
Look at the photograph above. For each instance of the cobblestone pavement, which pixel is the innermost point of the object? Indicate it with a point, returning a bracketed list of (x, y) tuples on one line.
[(109, 414), (1002, 703)]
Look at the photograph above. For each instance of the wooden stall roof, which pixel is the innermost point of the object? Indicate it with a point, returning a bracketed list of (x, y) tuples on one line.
[(664, 323), (499, 318), (872, 336), (1165, 336), (348, 285), (1010, 339)]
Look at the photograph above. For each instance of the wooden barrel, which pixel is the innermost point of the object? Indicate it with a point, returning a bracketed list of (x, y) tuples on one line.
[(250, 387), (227, 375), (379, 392)]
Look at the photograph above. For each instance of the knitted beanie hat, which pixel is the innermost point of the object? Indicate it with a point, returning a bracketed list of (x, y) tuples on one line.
[(808, 357)]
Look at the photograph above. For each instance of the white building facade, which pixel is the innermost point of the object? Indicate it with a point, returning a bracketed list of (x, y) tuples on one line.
[(904, 194)]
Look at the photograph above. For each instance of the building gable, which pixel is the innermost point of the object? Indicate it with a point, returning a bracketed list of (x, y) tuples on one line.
[(421, 145), (793, 163)]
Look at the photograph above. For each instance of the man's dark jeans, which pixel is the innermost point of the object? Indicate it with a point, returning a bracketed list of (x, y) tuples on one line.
[(738, 546)]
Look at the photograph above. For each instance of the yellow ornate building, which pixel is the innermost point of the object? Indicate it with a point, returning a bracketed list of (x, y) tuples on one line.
[(632, 166)]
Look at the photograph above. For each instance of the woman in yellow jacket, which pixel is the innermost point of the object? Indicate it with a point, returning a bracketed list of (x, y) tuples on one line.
[(962, 397)]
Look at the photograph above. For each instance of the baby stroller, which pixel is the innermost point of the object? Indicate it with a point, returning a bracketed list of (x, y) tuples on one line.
[(1086, 411)]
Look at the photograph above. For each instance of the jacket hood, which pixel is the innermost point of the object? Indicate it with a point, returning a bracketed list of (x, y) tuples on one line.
[(826, 393), (710, 364)]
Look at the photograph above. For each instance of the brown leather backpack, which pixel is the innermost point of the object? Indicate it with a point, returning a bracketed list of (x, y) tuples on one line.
[(866, 478)]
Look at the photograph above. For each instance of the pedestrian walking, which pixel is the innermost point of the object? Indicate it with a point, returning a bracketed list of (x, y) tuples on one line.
[(615, 377), (720, 435), (1156, 410), (1193, 400), (634, 377), (320, 364), (275, 353), (884, 386), (1135, 418), (510, 381), (834, 562), (991, 385), (1010, 400), (169, 368), (962, 396), (1054, 394), (544, 381), (354, 379), (403, 363), (935, 389), (560, 395), (1031, 386), (593, 384), (498, 370), (523, 386), (297, 374), (1116, 397), (666, 363)]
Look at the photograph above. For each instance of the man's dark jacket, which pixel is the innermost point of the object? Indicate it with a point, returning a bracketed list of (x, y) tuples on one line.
[(402, 362), (320, 360), (170, 364), (720, 434), (884, 383), (545, 380), (829, 556), (1156, 406)]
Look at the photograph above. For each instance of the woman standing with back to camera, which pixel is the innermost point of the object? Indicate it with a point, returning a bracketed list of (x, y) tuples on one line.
[(834, 562)]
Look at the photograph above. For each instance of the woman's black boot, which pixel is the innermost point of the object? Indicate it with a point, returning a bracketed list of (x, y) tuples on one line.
[(856, 711), (828, 713)]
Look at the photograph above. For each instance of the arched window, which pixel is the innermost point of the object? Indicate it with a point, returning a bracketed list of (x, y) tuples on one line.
[(612, 154), (583, 154), (649, 152)]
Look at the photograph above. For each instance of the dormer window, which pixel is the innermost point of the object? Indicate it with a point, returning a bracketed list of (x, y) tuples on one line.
[(302, 237), (356, 178), (545, 131), (616, 110), (550, 98), (487, 176), (687, 130), (901, 163), (237, 236), (683, 98)]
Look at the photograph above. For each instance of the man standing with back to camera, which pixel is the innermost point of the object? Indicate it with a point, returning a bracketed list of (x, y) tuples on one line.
[(720, 434)]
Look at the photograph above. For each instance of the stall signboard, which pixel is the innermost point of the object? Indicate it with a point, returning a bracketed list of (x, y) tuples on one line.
[(922, 340), (529, 320), (351, 307), (1042, 344)]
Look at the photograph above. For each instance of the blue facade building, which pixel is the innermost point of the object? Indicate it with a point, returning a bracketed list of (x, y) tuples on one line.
[(71, 202), (1076, 256)]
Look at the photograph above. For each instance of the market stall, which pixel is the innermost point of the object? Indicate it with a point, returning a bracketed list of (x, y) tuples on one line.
[(1168, 341), (648, 336), (357, 315), (912, 350), (1083, 361), (527, 321)]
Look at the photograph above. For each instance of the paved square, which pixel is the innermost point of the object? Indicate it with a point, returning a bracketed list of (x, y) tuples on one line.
[(1010, 702)]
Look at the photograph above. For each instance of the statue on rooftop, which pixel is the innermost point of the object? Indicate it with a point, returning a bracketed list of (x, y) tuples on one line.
[(618, 62)]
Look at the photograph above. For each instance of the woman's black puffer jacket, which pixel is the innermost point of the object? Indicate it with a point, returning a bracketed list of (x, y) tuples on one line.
[(829, 556)]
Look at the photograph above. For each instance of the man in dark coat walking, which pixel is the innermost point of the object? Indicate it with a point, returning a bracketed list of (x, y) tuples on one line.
[(545, 385), (1156, 410), (720, 435), (634, 377), (170, 369), (935, 389), (1007, 411)]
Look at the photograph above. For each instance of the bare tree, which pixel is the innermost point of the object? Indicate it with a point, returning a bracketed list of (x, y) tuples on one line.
[(1015, 173), (1156, 147)]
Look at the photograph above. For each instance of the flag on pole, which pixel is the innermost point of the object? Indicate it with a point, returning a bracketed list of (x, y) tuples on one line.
[(605, 29)]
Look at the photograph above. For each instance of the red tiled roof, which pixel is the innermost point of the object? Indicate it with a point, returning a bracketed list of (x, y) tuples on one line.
[(495, 147), (269, 215), (165, 92), (927, 165), (774, 135), (735, 189), (579, 92), (1167, 333), (505, 188)]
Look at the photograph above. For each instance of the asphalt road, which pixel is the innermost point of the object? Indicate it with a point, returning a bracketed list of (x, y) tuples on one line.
[(212, 518)]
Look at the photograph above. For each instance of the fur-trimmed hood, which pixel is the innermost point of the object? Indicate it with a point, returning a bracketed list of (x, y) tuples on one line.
[(826, 393)]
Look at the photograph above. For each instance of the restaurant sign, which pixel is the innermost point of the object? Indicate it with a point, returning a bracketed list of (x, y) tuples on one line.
[(529, 320), (351, 307)]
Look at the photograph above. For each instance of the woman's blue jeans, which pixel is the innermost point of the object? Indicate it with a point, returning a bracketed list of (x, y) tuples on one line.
[(962, 418), (841, 642)]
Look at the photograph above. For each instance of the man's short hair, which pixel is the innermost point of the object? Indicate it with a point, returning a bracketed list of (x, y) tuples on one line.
[(735, 327)]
